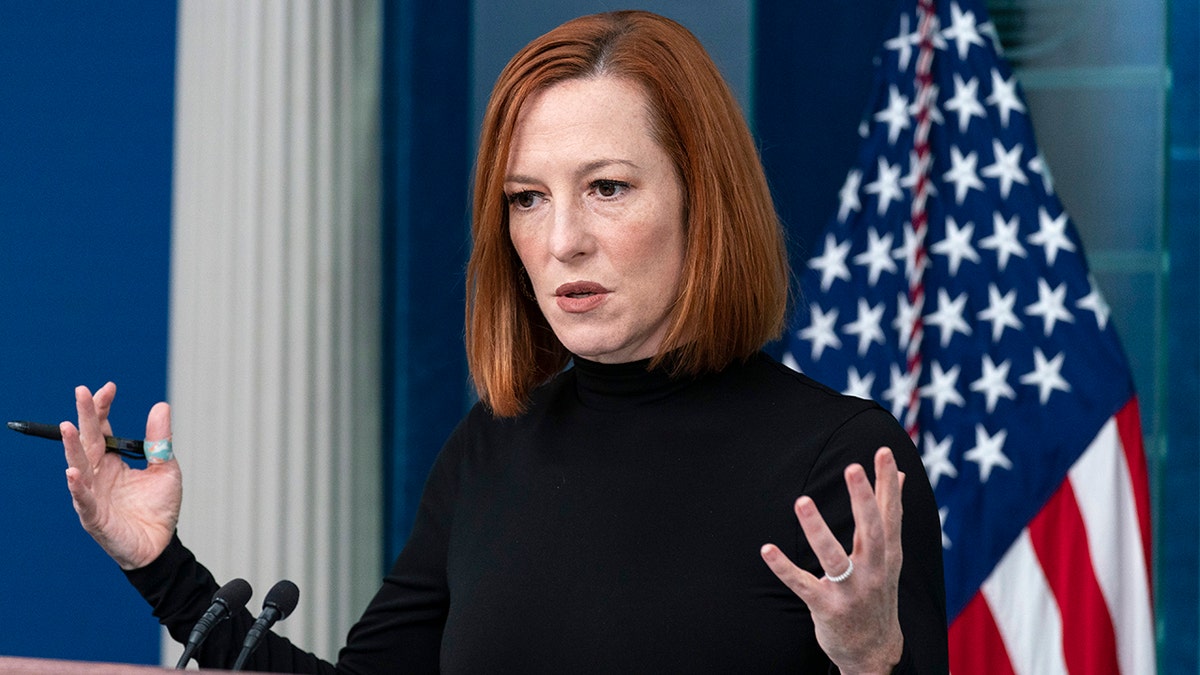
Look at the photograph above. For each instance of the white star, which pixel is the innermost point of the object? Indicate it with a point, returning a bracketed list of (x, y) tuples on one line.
[(1046, 375), (949, 316), (832, 262), (1004, 240), (1050, 306), (1051, 234), (994, 383), (989, 29), (962, 173), (942, 513), (962, 30), (916, 169), (857, 385), (1006, 168), (900, 390), (1004, 96), (820, 331), (878, 256), (988, 452), (903, 43), (1038, 165), (966, 102), (908, 252), (848, 195), (906, 317), (937, 459), (1000, 311), (943, 389), (895, 114), (866, 326), (1095, 303), (956, 245), (790, 361), (935, 33), (929, 96), (887, 185)]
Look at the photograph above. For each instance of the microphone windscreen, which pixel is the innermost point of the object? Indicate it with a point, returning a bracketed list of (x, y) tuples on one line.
[(234, 594), (283, 596)]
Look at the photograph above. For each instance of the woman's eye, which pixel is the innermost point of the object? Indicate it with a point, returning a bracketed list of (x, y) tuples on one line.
[(525, 199), (608, 189)]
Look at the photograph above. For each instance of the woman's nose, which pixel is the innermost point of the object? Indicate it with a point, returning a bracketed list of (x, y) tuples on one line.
[(570, 237)]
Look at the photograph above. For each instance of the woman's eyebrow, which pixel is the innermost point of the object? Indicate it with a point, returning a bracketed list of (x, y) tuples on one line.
[(597, 164), (583, 170)]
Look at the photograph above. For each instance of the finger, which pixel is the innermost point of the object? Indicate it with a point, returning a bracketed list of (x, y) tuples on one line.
[(103, 403), (158, 426), (830, 554), (799, 580), (90, 433), (79, 473), (868, 523), (158, 422), (73, 449), (889, 486)]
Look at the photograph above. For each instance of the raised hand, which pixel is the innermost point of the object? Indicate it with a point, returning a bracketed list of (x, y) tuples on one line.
[(130, 512), (854, 606)]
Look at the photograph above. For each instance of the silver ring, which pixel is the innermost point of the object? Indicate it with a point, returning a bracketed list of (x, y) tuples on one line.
[(844, 575)]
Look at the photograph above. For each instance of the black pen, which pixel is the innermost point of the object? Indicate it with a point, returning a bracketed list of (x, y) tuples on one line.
[(126, 447)]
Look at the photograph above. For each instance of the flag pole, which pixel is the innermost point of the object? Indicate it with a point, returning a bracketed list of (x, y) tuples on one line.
[(920, 217)]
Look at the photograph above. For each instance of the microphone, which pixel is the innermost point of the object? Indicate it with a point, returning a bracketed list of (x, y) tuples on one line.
[(228, 599), (278, 604)]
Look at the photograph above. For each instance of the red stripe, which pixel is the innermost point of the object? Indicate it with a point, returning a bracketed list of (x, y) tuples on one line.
[(1129, 428), (1059, 538), (975, 642)]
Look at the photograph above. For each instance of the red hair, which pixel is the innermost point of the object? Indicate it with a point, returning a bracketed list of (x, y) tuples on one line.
[(733, 293)]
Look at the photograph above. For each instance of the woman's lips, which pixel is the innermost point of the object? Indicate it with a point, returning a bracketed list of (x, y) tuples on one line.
[(578, 297)]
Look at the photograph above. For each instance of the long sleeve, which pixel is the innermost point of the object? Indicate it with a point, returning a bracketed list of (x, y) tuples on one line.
[(922, 602), (615, 527), (180, 589), (400, 631)]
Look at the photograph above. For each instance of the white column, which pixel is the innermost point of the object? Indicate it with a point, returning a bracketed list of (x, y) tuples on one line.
[(275, 302)]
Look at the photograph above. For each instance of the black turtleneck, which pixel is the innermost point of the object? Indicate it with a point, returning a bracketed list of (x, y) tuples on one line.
[(616, 527)]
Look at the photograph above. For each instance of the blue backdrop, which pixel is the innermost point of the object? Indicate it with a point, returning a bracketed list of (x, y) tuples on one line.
[(86, 104)]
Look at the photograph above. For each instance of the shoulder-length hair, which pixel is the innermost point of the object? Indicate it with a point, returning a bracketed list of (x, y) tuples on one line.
[(734, 289)]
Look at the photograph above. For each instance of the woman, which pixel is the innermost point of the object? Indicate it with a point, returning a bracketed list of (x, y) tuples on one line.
[(629, 513)]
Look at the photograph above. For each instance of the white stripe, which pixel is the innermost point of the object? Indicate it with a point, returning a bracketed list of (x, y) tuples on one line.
[(1103, 490), (1025, 611), (275, 321)]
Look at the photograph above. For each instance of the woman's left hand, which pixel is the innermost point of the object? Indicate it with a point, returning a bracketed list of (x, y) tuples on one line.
[(856, 619)]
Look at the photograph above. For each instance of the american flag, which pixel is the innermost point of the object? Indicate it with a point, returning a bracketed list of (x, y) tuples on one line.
[(951, 287)]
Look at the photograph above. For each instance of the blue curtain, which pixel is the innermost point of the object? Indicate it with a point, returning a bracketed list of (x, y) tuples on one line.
[(426, 174), (85, 219)]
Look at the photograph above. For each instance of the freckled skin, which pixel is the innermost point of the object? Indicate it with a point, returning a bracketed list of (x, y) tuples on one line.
[(596, 216)]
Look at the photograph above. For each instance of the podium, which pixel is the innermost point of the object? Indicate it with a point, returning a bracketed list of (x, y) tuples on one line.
[(14, 665)]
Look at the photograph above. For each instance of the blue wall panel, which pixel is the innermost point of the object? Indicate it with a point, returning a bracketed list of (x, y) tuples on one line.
[(426, 172), (86, 106), (1178, 530)]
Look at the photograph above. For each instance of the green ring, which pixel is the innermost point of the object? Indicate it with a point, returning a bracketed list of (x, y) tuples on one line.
[(159, 451)]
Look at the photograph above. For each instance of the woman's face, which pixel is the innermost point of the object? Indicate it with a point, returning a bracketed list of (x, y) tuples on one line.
[(595, 212)]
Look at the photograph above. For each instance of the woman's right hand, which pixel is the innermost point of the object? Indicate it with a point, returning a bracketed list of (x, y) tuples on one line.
[(130, 512)]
